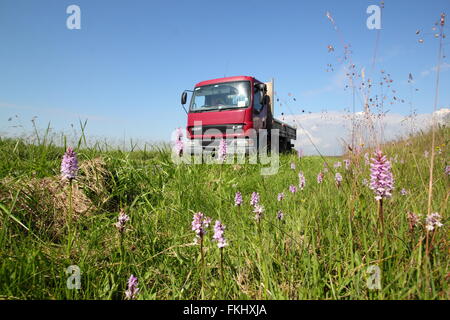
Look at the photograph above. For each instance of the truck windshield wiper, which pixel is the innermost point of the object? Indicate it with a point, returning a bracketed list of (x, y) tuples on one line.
[(226, 108), (214, 109)]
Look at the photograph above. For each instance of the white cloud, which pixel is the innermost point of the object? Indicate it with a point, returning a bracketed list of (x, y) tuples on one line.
[(328, 132)]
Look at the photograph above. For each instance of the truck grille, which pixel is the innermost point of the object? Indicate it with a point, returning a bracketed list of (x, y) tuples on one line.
[(217, 129)]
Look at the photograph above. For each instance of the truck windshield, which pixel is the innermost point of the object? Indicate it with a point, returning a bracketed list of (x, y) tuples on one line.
[(219, 96)]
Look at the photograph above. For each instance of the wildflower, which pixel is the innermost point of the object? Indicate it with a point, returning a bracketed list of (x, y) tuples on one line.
[(433, 220), (413, 220), (338, 179), (320, 177), (381, 178), (179, 145), (199, 224), (280, 215), (338, 164), (426, 153), (447, 170), (238, 199), (403, 192), (292, 189), (302, 180), (259, 210), (222, 150), (280, 196), (122, 220), (132, 289), (218, 234), (178, 134), (347, 164), (300, 153), (292, 165), (255, 199), (69, 165), (365, 182)]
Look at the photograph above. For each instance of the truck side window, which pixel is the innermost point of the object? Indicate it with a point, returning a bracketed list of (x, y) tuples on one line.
[(256, 104)]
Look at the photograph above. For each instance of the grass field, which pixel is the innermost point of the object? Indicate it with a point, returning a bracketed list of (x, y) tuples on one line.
[(324, 247)]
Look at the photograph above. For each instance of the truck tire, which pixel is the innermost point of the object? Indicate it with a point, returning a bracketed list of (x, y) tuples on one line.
[(283, 145), (269, 123), (289, 147), (269, 118)]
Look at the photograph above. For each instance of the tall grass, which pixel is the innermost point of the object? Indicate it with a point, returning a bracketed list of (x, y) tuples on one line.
[(322, 249)]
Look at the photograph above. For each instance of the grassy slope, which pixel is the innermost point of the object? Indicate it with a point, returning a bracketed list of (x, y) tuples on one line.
[(322, 249)]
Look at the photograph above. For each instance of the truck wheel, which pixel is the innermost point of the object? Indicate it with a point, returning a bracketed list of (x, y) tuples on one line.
[(288, 147), (281, 145)]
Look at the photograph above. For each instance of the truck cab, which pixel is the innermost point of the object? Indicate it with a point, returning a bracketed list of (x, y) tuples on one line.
[(232, 108)]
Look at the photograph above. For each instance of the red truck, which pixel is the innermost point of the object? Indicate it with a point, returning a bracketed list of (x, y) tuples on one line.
[(232, 108)]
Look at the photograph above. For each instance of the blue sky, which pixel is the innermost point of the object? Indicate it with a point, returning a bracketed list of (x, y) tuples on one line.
[(125, 69)]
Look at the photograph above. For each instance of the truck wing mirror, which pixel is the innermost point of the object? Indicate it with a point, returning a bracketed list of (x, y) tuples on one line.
[(183, 98), (261, 87)]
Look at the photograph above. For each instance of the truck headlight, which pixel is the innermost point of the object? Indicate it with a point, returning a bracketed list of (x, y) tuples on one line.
[(244, 142), (191, 143)]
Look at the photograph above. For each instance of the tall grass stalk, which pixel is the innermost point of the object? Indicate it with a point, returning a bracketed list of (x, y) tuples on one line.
[(69, 219), (433, 128)]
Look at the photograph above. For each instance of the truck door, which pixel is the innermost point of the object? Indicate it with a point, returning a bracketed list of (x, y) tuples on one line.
[(259, 111)]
